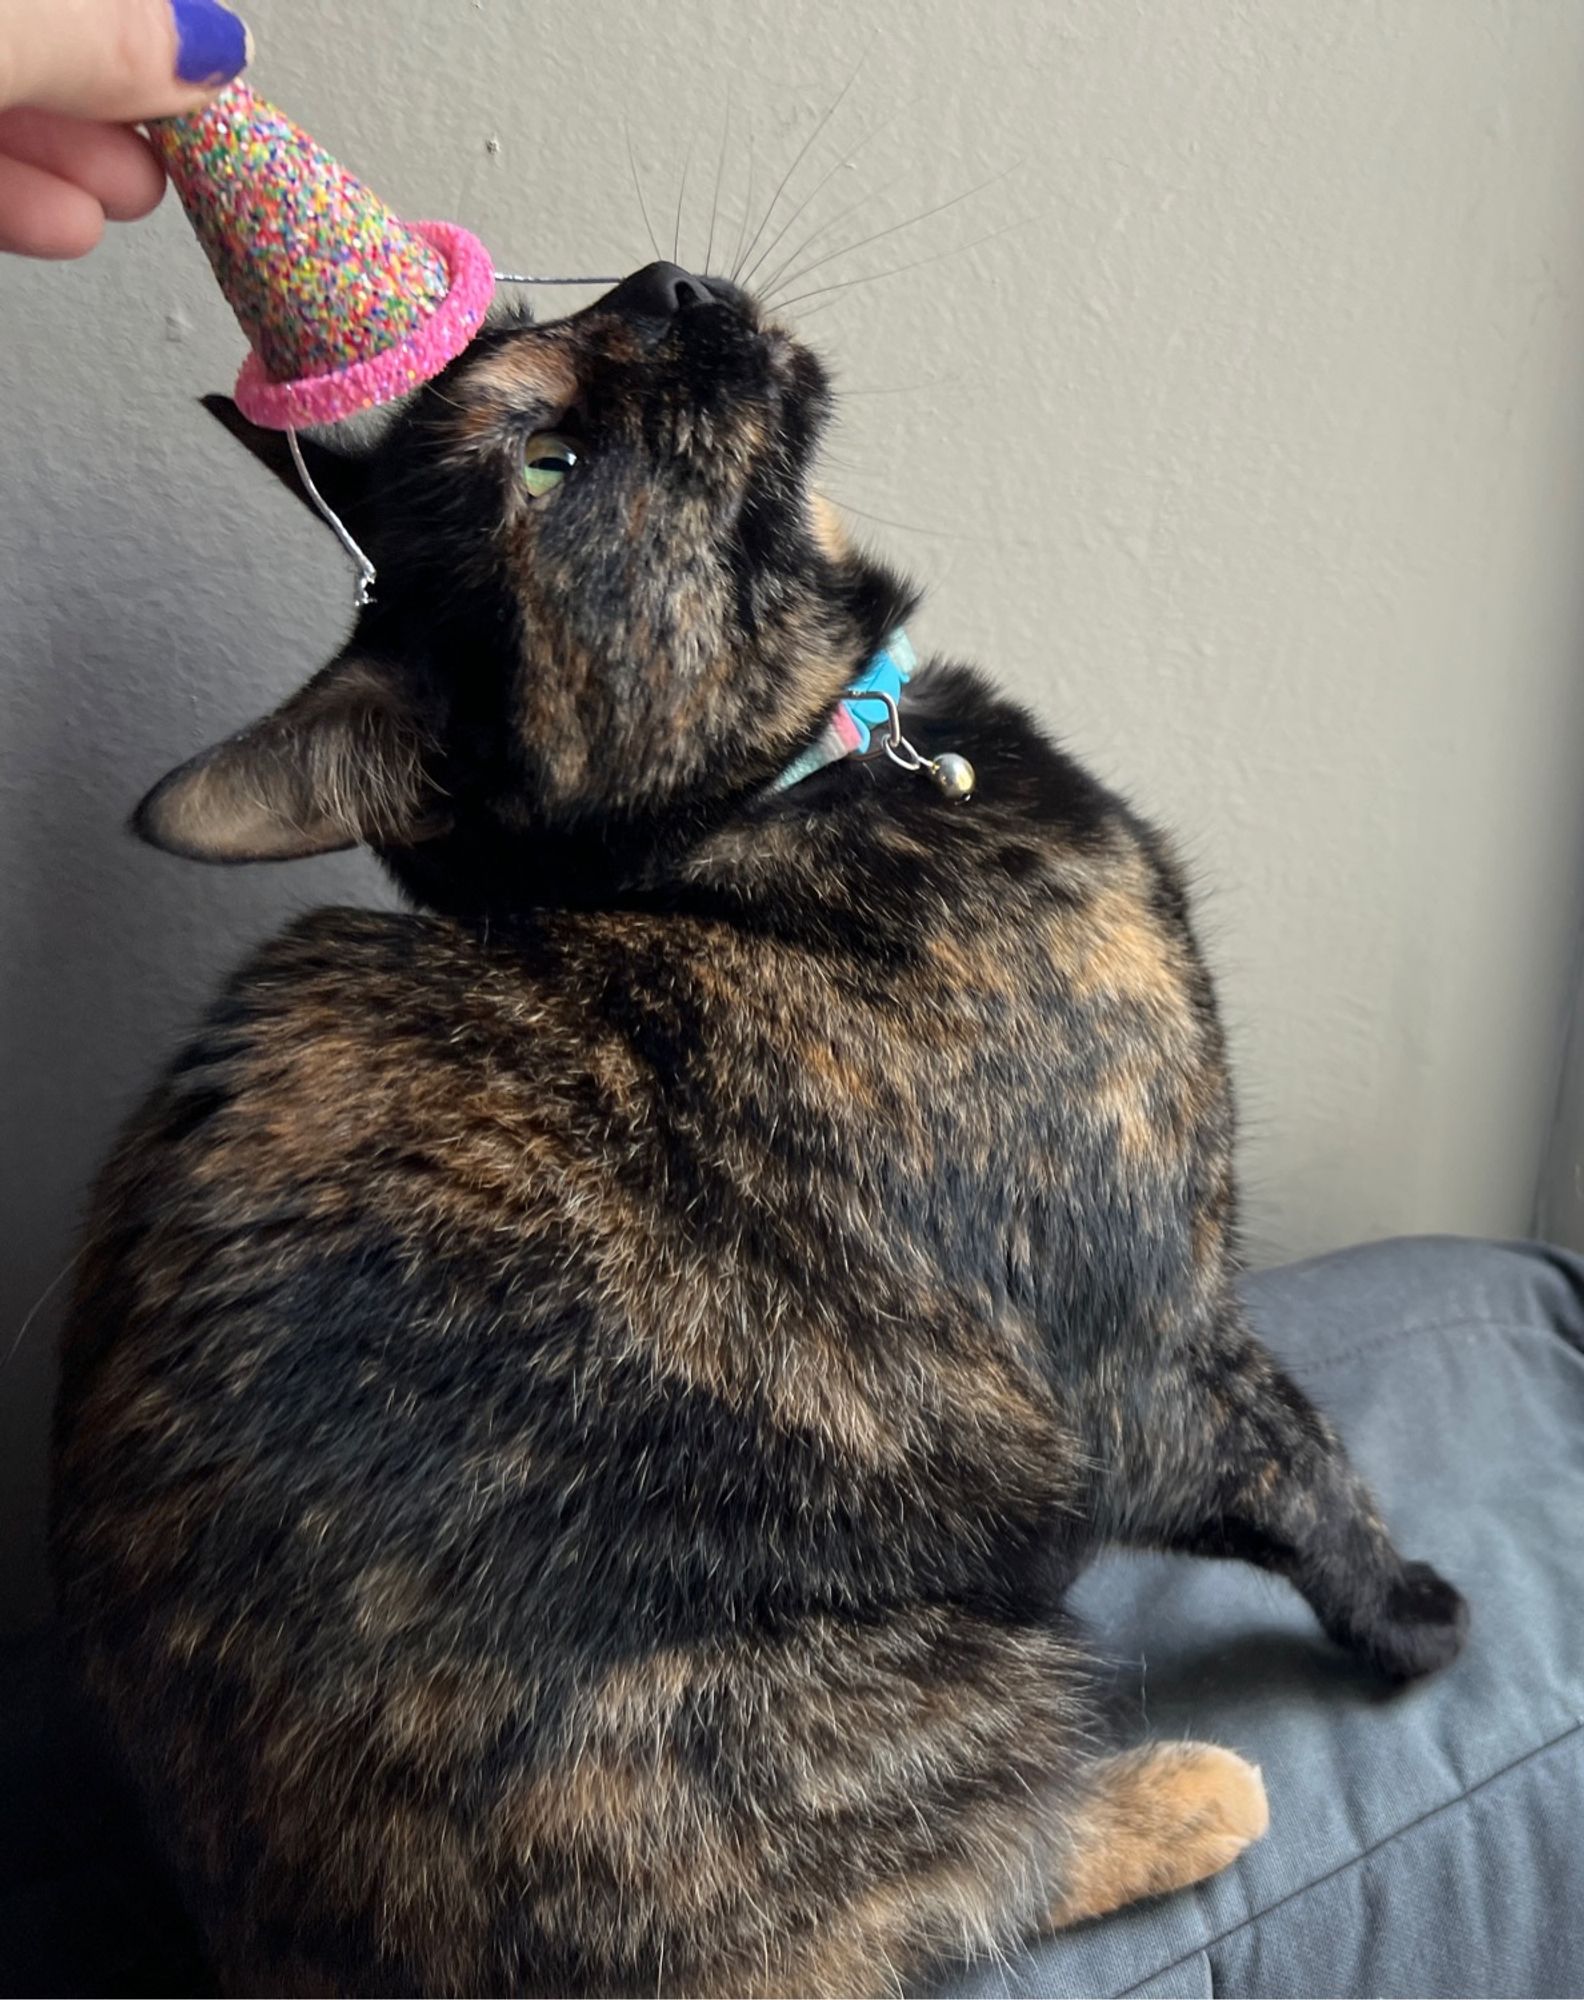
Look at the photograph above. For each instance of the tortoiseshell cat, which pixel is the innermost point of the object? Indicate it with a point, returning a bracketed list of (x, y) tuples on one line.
[(583, 1402)]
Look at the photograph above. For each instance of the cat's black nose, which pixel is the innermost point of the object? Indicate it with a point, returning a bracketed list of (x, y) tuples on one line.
[(661, 291)]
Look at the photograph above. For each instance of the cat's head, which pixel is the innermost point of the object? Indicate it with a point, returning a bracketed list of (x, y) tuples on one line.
[(609, 605)]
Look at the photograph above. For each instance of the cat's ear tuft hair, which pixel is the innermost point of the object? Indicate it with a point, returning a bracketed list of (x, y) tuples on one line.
[(344, 761), (340, 476)]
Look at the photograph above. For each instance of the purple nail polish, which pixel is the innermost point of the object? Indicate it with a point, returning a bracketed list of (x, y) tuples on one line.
[(212, 42)]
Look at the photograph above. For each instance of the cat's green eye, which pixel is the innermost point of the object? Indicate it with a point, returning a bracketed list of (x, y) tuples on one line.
[(547, 459)]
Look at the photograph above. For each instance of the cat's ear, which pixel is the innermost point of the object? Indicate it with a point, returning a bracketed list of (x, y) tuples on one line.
[(346, 760), (339, 476)]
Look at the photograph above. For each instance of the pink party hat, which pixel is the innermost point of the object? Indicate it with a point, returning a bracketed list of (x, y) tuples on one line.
[(345, 305)]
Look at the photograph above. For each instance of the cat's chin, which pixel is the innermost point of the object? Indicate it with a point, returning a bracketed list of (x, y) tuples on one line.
[(783, 351)]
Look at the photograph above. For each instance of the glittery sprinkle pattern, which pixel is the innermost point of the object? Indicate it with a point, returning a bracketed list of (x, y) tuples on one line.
[(317, 269)]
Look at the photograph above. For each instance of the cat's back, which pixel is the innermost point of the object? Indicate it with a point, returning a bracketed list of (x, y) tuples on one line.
[(441, 1274), (479, 1339)]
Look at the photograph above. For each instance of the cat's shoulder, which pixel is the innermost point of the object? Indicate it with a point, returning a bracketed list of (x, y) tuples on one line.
[(336, 996), (352, 945), (355, 964)]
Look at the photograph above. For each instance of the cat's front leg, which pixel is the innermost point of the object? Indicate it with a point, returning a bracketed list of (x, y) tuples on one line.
[(1218, 1453)]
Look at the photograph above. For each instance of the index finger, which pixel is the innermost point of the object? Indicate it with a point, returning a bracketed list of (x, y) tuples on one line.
[(118, 60)]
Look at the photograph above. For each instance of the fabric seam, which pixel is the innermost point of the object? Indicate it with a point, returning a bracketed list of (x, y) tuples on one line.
[(1404, 1334), (1355, 1860)]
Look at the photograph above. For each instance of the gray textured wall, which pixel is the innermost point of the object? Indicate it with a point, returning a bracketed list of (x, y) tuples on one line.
[(1560, 1212), (1253, 456)]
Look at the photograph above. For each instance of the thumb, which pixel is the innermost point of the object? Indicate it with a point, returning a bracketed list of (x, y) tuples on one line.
[(118, 60)]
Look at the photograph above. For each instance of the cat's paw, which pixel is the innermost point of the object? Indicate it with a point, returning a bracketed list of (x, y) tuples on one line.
[(1159, 1819), (1419, 1628)]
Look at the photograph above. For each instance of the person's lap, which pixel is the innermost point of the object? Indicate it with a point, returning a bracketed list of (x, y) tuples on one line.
[(1422, 1842)]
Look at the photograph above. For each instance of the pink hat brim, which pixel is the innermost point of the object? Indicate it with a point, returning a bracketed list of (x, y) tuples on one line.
[(327, 399)]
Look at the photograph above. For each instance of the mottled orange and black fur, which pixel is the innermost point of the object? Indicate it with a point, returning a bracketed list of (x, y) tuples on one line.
[(584, 1400)]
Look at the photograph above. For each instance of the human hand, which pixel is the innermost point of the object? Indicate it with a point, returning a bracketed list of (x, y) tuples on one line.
[(74, 76)]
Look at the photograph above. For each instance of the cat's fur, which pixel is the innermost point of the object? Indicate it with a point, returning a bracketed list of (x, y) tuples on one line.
[(584, 1401)]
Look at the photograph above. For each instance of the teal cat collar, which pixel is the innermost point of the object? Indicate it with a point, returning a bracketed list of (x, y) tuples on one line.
[(870, 710)]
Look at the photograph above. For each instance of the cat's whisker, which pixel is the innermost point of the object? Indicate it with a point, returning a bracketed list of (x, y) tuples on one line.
[(851, 465), (804, 318), (632, 161), (891, 388), (910, 222), (896, 270), (825, 228), (687, 163), (824, 181), (438, 395), (885, 521), (962, 537), (742, 226), (720, 169), (39, 1304), (803, 150)]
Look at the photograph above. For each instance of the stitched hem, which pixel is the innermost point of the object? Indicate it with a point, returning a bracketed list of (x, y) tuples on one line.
[(1403, 1335)]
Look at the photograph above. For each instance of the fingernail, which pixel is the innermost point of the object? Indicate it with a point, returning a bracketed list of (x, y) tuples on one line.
[(213, 44)]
